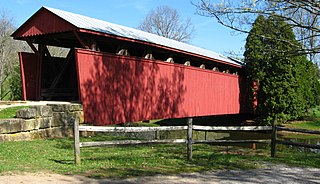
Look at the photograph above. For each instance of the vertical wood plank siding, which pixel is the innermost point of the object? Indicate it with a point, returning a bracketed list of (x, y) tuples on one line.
[(117, 89), (29, 69)]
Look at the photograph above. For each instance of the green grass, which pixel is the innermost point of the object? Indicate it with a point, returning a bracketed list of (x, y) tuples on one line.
[(310, 122), (56, 155), (10, 112), (309, 125)]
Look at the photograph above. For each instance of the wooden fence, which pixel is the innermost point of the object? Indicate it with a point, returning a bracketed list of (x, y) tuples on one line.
[(189, 128), (275, 141)]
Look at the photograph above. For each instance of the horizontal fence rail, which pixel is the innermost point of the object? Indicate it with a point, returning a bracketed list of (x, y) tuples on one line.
[(298, 130), (230, 141), (188, 141), (231, 128), (312, 146), (128, 142), (290, 143), (130, 129)]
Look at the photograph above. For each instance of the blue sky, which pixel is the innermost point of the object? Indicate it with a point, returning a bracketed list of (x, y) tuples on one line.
[(209, 34)]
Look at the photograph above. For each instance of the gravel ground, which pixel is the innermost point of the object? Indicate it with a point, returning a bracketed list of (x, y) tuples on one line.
[(269, 174)]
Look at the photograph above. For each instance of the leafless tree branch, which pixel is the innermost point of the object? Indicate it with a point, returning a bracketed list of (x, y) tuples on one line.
[(302, 15), (166, 22)]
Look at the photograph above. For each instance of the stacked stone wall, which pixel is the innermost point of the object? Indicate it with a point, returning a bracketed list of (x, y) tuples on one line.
[(44, 121)]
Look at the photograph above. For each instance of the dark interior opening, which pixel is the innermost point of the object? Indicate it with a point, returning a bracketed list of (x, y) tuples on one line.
[(59, 78)]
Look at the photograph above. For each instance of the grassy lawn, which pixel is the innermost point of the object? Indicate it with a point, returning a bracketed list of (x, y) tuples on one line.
[(310, 122), (56, 155), (10, 112), (309, 125)]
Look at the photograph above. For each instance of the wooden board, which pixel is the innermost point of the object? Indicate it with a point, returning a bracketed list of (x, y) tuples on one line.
[(118, 89)]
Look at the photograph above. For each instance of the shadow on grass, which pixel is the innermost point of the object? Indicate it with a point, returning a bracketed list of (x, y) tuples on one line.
[(148, 160), (64, 143), (132, 161), (64, 162), (205, 156)]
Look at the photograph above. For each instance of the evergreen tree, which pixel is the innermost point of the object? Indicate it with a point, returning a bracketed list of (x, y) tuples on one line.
[(287, 82)]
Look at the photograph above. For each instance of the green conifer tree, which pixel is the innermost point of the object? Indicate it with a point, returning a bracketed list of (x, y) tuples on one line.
[(287, 82)]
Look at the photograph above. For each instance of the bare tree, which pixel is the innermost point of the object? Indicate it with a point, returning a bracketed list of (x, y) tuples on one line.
[(166, 22), (8, 54), (308, 37), (302, 15), (58, 51)]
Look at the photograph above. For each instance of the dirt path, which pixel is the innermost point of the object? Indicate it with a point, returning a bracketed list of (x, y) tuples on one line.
[(269, 174)]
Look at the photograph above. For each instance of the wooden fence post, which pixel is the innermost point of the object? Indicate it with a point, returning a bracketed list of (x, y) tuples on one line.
[(273, 139), (189, 138), (76, 137), (157, 135)]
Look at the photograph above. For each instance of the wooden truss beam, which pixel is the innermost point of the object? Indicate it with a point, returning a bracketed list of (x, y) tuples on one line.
[(34, 49), (80, 40)]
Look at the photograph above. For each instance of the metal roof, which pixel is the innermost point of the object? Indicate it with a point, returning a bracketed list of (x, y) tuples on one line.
[(84, 22)]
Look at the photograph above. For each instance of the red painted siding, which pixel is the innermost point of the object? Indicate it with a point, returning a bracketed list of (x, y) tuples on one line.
[(117, 89), (29, 68), (43, 22)]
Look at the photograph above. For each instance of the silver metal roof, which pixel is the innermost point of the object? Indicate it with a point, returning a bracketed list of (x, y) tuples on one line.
[(93, 24)]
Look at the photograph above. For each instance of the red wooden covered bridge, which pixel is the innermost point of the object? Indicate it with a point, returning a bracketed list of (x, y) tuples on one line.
[(121, 74)]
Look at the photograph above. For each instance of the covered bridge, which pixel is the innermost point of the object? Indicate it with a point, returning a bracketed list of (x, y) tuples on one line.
[(121, 74)]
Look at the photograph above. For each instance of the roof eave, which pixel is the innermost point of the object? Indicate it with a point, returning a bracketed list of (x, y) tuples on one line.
[(17, 33), (158, 46)]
